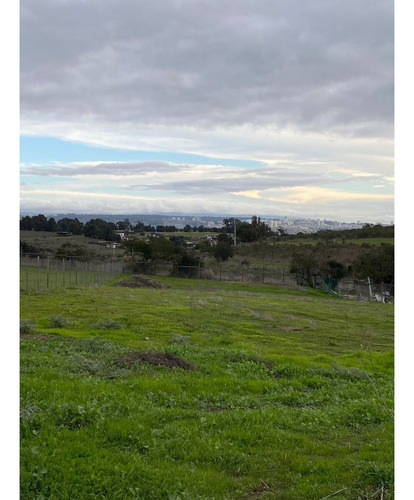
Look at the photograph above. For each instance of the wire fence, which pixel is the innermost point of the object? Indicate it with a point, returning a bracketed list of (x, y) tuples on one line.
[(217, 272), (40, 274), (365, 291)]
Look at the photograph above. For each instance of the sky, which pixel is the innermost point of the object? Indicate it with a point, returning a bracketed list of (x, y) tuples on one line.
[(208, 107)]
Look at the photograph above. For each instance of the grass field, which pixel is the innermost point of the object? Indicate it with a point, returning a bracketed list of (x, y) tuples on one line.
[(50, 242), (266, 393)]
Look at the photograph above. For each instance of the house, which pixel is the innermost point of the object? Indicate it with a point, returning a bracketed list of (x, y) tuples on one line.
[(120, 233)]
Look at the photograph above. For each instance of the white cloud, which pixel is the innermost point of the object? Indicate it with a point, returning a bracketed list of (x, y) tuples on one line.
[(306, 88)]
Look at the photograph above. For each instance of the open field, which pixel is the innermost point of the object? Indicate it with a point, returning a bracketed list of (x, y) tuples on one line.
[(264, 393), (50, 242), (339, 241)]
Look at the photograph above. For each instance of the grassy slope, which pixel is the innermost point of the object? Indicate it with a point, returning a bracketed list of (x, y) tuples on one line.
[(293, 399)]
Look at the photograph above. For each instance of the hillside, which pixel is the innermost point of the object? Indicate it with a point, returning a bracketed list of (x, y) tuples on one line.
[(203, 389)]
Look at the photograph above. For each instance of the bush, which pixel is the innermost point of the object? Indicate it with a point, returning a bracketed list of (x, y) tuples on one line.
[(27, 326), (58, 321)]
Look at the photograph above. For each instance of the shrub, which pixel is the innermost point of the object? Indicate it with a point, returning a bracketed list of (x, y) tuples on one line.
[(27, 326), (58, 321)]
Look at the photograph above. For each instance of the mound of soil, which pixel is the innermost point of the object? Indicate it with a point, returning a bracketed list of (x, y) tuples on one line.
[(139, 281), (157, 358)]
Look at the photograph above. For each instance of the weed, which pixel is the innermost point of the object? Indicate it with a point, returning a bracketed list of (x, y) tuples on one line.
[(58, 321), (27, 326), (107, 324), (176, 338)]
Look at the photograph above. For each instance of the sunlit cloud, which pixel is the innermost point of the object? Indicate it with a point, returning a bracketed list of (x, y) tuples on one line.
[(292, 103)]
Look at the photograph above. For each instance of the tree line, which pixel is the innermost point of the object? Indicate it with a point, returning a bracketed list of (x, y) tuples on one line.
[(98, 228), (94, 228)]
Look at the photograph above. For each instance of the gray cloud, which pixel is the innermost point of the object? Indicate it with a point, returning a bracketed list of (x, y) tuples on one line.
[(196, 180), (321, 65), (109, 168)]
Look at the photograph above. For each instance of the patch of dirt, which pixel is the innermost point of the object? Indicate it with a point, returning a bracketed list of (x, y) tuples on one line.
[(258, 492), (215, 409), (139, 281), (43, 336), (290, 328), (156, 358)]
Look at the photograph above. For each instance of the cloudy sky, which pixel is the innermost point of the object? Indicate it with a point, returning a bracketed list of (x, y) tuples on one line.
[(263, 107)]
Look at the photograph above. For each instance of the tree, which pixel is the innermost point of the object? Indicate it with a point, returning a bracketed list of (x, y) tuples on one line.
[(51, 225), (306, 269), (39, 222), (378, 265), (73, 226), (188, 265), (124, 225), (137, 249), (246, 233), (102, 230), (223, 251), (335, 269), (261, 227), (163, 249), (228, 224), (227, 238), (72, 250), (26, 223)]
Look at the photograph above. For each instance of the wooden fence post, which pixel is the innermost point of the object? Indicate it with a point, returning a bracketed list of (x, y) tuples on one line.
[(47, 273), (38, 273), (27, 274)]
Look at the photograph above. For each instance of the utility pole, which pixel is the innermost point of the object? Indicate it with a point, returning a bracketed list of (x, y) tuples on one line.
[(235, 238)]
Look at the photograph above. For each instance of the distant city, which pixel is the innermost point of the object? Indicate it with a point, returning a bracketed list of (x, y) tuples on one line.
[(290, 225)]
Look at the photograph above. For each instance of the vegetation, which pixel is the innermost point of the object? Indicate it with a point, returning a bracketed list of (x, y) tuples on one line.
[(205, 390), (356, 254)]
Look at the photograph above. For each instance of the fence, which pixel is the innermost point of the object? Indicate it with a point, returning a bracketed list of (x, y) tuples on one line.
[(217, 272), (365, 291), (39, 274), (46, 274)]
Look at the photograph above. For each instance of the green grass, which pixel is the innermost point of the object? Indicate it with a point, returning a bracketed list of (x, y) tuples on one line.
[(338, 241), (49, 241), (293, 398)]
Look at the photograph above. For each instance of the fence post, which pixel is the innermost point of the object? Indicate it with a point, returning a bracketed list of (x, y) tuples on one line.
[(47, 273), (27, 274), (63, 271), (38, 273), (369, 290), (263, 274)]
